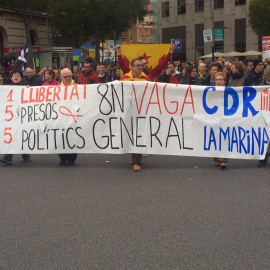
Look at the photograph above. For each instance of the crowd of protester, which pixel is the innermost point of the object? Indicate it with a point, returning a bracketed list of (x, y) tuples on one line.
[(250, 72)]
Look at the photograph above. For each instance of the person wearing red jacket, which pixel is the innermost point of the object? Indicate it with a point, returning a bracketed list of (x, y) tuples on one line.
[(152, 73), (88, 76), (50, 78)]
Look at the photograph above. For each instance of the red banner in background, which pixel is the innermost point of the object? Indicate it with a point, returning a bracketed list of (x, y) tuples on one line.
[(19, 49)]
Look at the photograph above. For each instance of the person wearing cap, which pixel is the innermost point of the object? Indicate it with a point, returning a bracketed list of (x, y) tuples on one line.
[(16, 78), (256, 74)]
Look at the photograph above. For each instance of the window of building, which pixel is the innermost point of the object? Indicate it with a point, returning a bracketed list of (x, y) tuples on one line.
[(219, 43), (240, 2), (219, 4), (165, 9), (181, 6), (240, 35), (199, 5)]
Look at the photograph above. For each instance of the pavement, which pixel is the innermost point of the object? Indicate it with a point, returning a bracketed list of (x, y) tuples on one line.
[(177, 213)]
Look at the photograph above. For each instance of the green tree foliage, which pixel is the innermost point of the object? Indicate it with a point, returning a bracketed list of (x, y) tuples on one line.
[(26, 9), (259, 12), (82, 20)]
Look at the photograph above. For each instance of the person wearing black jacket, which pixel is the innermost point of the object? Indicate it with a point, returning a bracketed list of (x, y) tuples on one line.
[(15, 79), (256, 74), (31, 78), (210, 80)]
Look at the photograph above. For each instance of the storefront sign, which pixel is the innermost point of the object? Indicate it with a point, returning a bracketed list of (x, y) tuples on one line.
[(19, 49)]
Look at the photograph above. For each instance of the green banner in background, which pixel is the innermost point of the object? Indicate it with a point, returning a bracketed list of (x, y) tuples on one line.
[(219, 34)]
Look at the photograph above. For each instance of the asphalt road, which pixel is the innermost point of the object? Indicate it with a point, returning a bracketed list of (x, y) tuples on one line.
[(177, 213)]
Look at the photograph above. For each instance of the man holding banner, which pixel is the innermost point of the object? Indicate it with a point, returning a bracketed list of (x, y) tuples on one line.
[(136, 74), (67, 159), (158, 55)]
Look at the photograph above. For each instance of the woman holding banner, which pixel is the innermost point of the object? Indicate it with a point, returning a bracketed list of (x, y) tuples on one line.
[(16, 79), (220, 80)]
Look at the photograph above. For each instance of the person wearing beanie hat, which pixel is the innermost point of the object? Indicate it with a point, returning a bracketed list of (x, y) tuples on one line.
[(255, 76), (256, 62)]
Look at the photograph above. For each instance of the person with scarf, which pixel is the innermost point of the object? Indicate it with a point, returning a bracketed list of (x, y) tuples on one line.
[(67, 159), (255, 76), (238, 76), (201, 74), (136, 74), (16, 78)]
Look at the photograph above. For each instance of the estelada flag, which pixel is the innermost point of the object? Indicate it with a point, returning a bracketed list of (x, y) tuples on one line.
[(155, 54), (26, 58)]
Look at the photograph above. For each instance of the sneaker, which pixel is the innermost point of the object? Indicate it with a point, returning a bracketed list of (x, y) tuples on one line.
[(136, 168), (261, 164), (5, 161), (218, 163), (70, 163), (62, 162), (28, 159), (223, 166)]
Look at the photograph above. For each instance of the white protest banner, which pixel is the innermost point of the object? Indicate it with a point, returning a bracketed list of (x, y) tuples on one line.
[(136, 117)]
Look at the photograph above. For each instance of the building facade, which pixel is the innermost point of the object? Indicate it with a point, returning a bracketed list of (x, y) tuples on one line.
[(186, 20), (141, 32), (13, 35)]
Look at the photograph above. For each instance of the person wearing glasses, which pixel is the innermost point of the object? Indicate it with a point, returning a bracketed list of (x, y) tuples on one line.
[(152, 73), (220, 80), (67, 159), (256, 74), (190, 76), (88, 76), (173, 74), (136, 74)]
